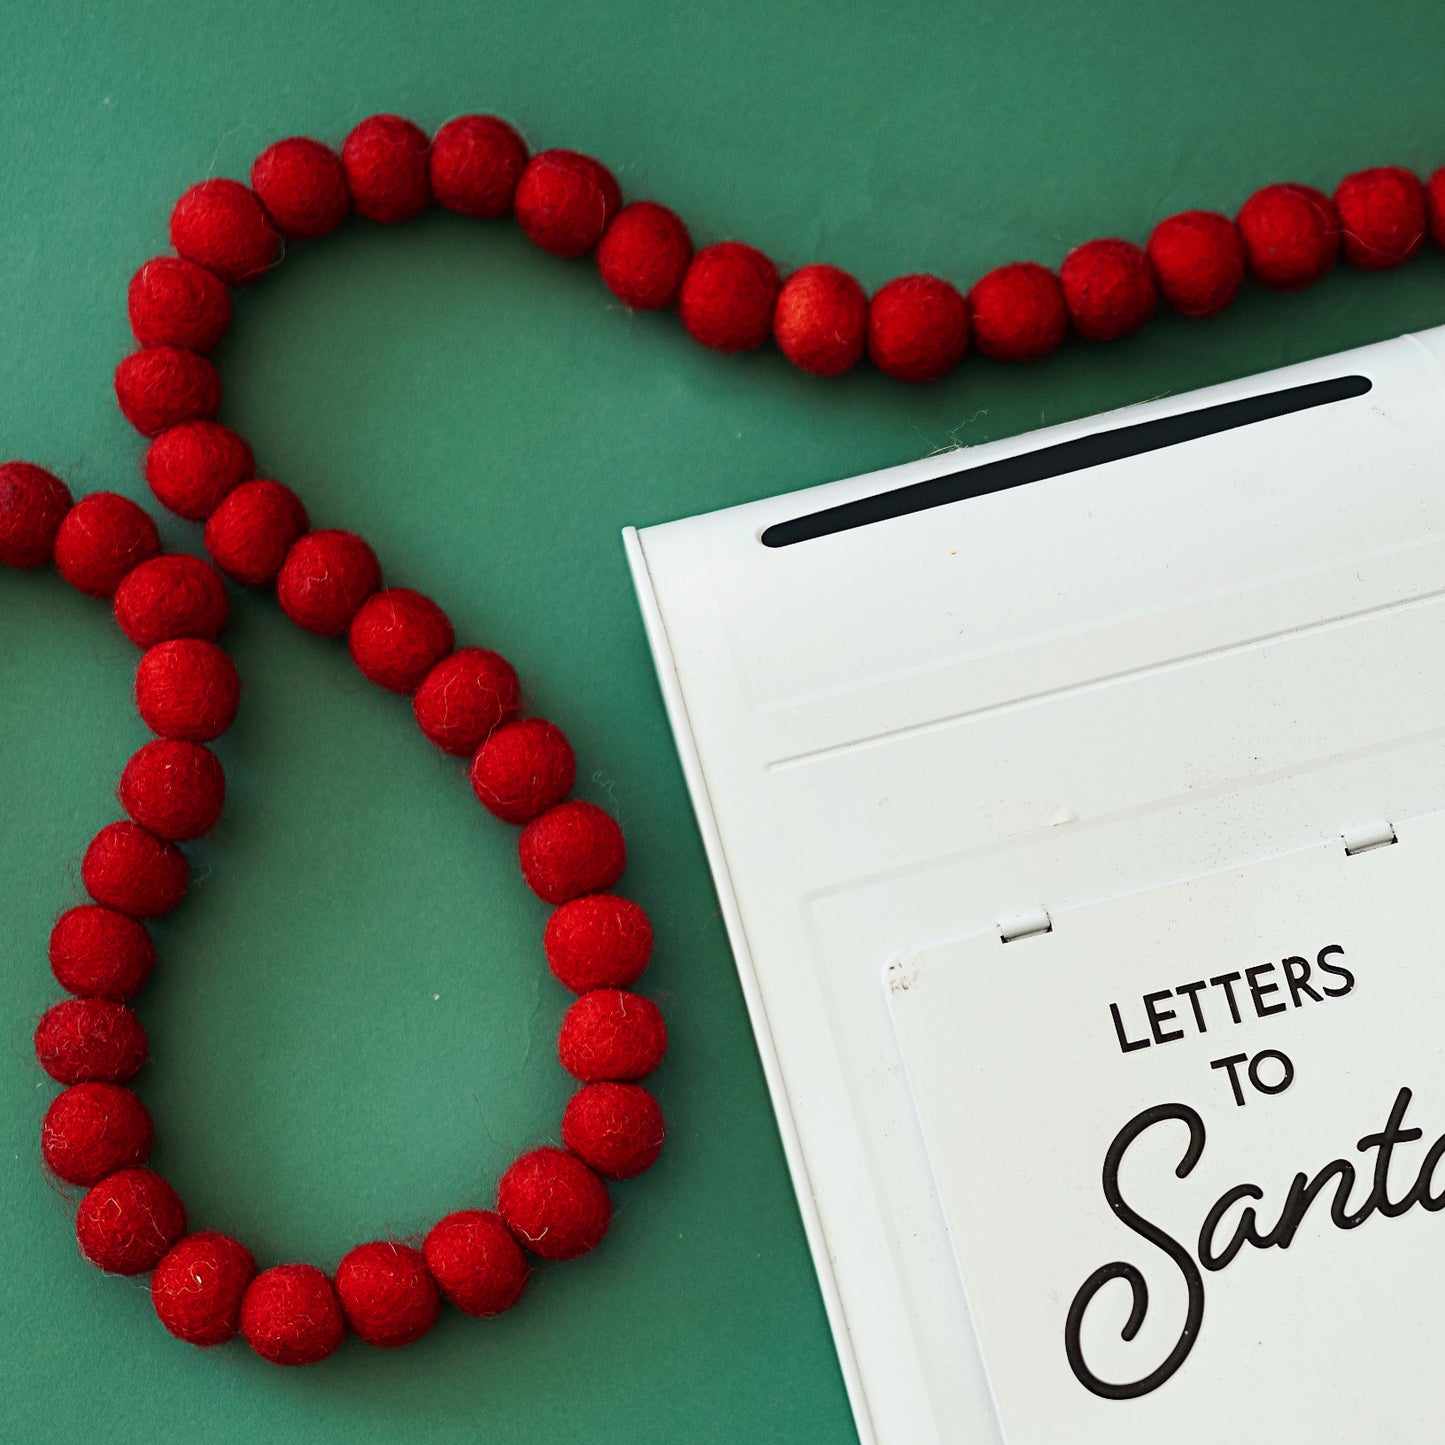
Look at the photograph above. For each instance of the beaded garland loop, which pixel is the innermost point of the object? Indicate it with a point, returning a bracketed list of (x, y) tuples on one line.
[(551, 1203)]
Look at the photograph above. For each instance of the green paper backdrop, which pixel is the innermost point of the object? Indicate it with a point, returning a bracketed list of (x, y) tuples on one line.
[(352, 1027)]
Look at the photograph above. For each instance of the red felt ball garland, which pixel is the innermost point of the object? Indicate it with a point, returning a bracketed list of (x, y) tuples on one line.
[(551, 1203)]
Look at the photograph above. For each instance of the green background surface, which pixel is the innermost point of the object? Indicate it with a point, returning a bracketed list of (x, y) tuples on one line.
[(352, 1027)]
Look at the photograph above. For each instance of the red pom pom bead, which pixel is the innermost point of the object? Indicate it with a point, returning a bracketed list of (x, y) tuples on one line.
[(386, 1294), (1198, 261), (171, 596), (1108, 288), (128, 1221), (91, 1130), (523, 769), (127, 869), (397, 637), (172, 789), (32, 506), (1291, 235), (219, 224), (324, 580), (555, 1205), (187, 689), (290, 1315), (609, 1035), (917, 328), (464, 697), (564, 201), (192, 467), (250, 533), (1018, 312), (162, 386), (476, 1262), (198, 1286), (1435, 206), (644, 256), (616, 1129), (100, 953), (571, 849), (84, 1040), (385, 158), (820, 320), (728, 296), (100, 539), (475, 164), (302, 185), (1382, 216), (598, 941), (174, 302)]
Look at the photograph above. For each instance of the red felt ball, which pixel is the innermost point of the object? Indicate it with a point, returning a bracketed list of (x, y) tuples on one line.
[(820, 320), (100, 539), (523, 769), (385, 158), (302, 185), (1291, 235), (555, 1205), (1435, 206), (161, 386), (173, 789), (127, 869), (91, 1130), (397, 637), (616, 1129), (1198, 261), (174, 302), (917, 328), (193, 466), (198, 1286), (250, 533), (80, 1040), (564, 201), (571, 849), (187, 689), (1108, 288), (172, 596), (598, 941), (324, 580), (728, 296), (1018, 312), (644, 256), (475, 164), (128, 1221), (386, 1294), (464, 697), (100, 953), (33, 503), (219, 224), (290, 1315), (476, 1262), (1382, 216), (609, 1034)]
